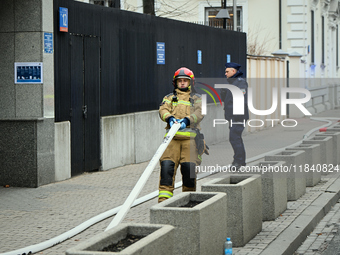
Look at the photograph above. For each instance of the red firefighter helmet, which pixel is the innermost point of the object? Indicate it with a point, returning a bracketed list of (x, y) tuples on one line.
[(184, 72)]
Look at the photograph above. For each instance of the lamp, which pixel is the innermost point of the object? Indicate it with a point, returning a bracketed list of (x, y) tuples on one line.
[(223, 14)]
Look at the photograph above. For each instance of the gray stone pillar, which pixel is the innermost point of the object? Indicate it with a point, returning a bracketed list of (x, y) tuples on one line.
[(26, 109)]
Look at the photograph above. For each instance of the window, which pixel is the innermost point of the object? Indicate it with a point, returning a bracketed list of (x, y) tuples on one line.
[(211, 21), (323, 41), (312, 39), (337, 45), (107, 3), (211, 12)]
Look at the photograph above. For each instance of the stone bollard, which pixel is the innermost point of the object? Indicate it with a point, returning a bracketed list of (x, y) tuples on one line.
[(326, 145), (274, 188), (296, 180), (334, 129), (312, 158), (153, 239), (337, 125), (244, 205), (336, 144), (200, 230)]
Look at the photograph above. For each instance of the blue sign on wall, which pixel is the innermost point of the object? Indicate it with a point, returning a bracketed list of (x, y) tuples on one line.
[(160, 53), (199, 57), (28, 72), (228, 58), (63, 19), (48, 42)]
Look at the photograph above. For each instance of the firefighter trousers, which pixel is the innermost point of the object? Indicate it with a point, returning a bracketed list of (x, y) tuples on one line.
[(181, 152)]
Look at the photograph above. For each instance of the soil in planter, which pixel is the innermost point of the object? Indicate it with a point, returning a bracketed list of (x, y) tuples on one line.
[(122, 244), (192, 204)]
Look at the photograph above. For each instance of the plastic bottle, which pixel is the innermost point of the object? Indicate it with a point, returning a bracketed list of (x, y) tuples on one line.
[(228, 247)]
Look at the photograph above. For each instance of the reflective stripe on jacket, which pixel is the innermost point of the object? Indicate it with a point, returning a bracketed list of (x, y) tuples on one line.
[(186, 106)]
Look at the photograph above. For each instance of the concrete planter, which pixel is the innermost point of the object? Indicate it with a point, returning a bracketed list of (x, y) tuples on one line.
[(244, 205), (326, 146), (154, 236), (334, 129), (296, 180), (336, 144), (274, 189), (312, 158), (336, 126), (199, 230)]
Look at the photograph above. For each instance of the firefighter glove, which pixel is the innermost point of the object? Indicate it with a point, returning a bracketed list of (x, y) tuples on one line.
[(171, 120), (184, 123)]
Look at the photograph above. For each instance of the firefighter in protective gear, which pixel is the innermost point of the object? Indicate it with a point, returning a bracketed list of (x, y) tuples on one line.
[(185, 107)]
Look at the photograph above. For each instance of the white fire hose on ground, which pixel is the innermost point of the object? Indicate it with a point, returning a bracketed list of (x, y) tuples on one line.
[(144, 177), (121, 211)]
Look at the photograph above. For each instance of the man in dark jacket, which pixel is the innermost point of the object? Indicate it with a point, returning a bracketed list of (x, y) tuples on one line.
[(236, 122)]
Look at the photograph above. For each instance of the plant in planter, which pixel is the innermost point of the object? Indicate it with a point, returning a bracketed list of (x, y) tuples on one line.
[(128, 239), (200, 228)]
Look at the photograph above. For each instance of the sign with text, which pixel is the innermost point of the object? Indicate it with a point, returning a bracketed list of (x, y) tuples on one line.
[(63, 19), (160, 53), (28, 73), (48, 43)]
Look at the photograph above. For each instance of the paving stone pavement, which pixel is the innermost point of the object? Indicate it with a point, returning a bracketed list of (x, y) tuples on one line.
[(318, 241), (271, 229), (31, 216)]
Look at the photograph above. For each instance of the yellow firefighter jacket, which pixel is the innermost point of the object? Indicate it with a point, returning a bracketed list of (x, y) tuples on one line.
[(187, 105)]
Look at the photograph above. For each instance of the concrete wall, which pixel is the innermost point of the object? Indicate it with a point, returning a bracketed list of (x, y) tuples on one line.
[(325, 95), (265, 73), (27, 152), (134, 138), (62, 150), (45, 151)]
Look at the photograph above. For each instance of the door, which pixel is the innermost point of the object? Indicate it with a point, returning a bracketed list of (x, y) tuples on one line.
[(84, 112)]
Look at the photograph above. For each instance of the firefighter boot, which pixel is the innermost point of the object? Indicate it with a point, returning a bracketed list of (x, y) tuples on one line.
[(166, 183)]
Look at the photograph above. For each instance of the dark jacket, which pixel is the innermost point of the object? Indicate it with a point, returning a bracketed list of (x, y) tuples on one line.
[(239, 82)]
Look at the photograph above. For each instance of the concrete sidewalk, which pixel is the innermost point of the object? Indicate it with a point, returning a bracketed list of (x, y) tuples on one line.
[(31, 216)]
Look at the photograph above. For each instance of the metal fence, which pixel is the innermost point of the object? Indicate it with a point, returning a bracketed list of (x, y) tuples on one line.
[(130, 78)]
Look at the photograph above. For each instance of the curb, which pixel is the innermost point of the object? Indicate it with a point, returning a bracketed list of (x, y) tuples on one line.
[(289, 240)]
